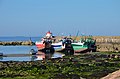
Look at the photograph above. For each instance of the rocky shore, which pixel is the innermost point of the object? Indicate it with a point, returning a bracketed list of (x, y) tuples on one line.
[(17, 43), (83, 66)]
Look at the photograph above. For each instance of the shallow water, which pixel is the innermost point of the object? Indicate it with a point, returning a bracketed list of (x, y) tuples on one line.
[(16, 49), (20, 38), (15, 59), (24, 50)]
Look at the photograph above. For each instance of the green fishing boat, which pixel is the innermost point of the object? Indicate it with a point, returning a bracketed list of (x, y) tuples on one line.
[(84, 45)]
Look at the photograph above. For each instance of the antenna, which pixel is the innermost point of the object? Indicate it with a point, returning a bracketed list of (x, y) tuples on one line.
[(76, 35)]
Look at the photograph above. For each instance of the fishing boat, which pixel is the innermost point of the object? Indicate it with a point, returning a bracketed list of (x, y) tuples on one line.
[(48, 44), (45, 45), (84, 45), (65, 46)]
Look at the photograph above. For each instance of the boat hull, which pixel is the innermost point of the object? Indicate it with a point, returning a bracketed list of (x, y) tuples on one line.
[(40, 45), (45, 47), (83, 48)]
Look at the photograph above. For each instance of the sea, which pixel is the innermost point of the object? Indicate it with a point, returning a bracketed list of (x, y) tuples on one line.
[(7, 50), (20, 38)]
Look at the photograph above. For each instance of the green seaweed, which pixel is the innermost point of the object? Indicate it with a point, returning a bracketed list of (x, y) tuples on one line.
[(89, 66)]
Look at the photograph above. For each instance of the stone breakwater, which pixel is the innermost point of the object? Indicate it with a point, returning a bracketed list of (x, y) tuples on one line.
[(107, 43), (17, 43)]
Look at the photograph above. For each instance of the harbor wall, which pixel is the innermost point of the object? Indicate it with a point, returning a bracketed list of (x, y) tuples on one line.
[(107, 43)]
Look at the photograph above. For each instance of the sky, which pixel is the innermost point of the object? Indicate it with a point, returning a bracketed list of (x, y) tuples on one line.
[(61, 17)]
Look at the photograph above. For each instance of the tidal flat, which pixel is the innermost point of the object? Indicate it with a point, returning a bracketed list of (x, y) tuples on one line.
[(87, 65)]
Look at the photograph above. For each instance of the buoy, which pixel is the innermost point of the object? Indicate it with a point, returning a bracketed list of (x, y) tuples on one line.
[(1, 54), (32, 51)]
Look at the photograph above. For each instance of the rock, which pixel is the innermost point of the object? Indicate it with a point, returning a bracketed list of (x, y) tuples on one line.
[(17, 43), (114, 75)]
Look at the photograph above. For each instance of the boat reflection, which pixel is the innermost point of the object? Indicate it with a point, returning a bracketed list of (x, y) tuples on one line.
[(28, 57), (41, 55)]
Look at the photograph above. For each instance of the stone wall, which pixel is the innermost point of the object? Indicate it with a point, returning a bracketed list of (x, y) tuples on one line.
[(107, 43)]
